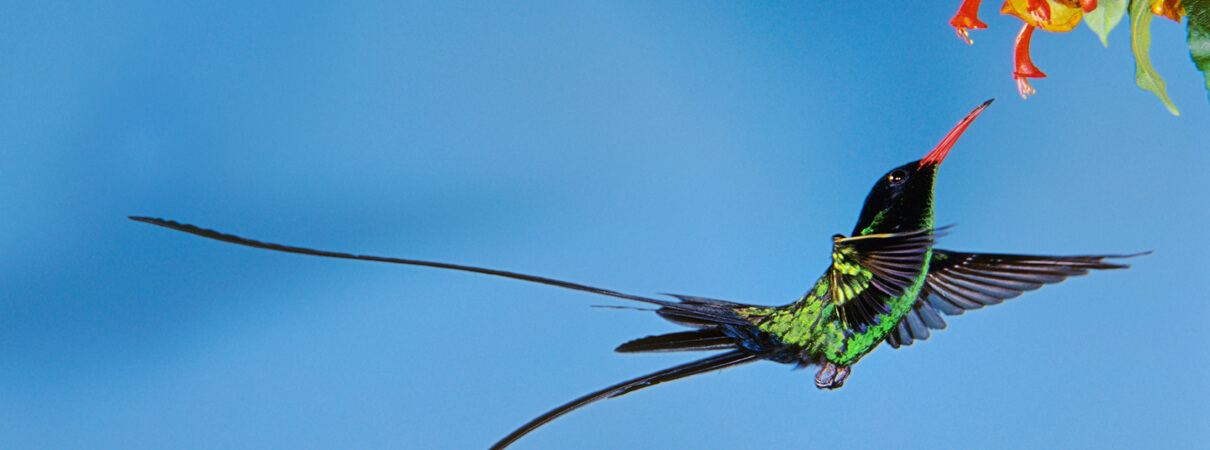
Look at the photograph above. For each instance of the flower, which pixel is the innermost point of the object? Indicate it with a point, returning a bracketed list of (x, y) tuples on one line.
[(1064, 15), (967, 18), (1024, 66), (1049, 15)]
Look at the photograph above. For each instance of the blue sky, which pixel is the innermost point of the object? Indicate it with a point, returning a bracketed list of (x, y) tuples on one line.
[(680, 147)]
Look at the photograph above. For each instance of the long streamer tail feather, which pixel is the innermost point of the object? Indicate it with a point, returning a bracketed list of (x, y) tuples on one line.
[(691, 309), (717, 362), (697, 311)]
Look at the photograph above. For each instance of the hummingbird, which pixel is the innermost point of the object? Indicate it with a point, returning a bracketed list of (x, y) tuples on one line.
[(885, 283)]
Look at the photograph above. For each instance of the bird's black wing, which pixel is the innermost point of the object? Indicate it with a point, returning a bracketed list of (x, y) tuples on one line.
[(717, 362), (869, 270), (958, 282)]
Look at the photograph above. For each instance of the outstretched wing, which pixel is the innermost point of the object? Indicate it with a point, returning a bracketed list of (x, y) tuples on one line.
[(958, 282), (869, 271), (717, 362)]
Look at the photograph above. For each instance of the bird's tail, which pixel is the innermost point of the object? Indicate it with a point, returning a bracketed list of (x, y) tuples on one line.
[(684, 341), (690, 310), (717, 362)]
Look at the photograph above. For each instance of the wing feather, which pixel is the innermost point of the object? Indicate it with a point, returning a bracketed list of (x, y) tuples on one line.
[(959, 282), (869, 270)]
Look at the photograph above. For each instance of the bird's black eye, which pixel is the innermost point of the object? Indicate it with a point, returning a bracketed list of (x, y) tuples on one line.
[(897, 177)]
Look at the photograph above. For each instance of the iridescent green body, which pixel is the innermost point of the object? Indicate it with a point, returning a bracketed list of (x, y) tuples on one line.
[(813, 323)]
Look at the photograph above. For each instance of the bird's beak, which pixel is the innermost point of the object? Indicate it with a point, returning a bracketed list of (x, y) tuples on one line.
[(938, 154)]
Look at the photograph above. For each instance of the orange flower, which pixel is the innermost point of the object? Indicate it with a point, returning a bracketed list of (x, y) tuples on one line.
[(1049, 15), (967, 18), (1024, 66)]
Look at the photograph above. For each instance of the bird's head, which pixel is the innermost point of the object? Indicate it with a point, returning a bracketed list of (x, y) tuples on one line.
[(902, 199)]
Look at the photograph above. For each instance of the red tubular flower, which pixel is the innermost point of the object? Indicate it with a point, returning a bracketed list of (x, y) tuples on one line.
[(1025, 67), (1088, 5), (967, 18)]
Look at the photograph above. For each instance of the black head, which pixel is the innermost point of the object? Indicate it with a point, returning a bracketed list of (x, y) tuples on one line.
[(902, 200)]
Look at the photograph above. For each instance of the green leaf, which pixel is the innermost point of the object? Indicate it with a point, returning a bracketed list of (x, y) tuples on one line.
[(1198, 12), (1105, 17), (1199, 45), (1140, 41)]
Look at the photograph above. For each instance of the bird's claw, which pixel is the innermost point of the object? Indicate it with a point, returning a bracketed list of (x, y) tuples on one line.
[(831, 376)]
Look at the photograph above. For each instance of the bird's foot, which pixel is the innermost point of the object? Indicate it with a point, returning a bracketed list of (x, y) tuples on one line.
[(831, 376)]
